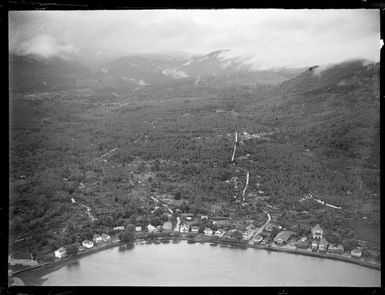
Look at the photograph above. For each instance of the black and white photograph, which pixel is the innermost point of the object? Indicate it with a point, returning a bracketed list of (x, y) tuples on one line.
[(194, 147)]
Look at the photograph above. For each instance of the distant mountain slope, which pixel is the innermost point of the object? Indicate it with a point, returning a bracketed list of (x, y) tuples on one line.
[(335, 110), (215, 68), (35, 74), (134, 72)]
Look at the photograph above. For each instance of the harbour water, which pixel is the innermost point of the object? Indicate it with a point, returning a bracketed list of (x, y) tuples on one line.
[(183, 264)]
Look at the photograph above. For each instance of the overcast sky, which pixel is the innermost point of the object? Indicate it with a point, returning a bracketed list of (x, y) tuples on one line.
[(269, 38)]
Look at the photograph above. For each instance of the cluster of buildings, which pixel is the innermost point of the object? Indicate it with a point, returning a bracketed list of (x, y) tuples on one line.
[(246, 136), (166, 227), (86, 244), (207, 231), (320, 244), (316, 243)]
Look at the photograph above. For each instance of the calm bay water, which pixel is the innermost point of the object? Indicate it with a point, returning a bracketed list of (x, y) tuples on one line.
[(184, 264)]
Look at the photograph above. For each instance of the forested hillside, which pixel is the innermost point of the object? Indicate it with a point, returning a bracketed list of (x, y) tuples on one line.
[(113, 151)]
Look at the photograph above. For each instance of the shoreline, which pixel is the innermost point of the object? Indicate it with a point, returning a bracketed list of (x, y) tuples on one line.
[(34, 276)]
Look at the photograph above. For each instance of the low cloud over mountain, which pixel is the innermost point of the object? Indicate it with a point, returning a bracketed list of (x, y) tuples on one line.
[(266, 38)]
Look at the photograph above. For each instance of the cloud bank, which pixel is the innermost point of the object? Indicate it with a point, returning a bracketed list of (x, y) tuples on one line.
[(266, 38)]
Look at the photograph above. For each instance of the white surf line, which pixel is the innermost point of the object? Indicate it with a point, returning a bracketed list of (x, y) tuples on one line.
[(247, 183)]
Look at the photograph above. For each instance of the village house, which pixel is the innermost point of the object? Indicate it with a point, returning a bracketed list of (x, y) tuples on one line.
[(184, 228), (81, 248), (357, 252), (323, 245), (220, 232), (97, 239), (195, 229), (88, 244), (151, 228), (221, 222), (303, 239), (138, 228), (60, 253), (338, 249), (204, 217), (246, 235), (317, 232), (167, 226), (282, 237), (257, 239), (105, 238), (121, 227), (207, 231), (314, 245)]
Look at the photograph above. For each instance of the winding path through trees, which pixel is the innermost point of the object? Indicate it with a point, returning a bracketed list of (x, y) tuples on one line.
[(247, 183), (88, 211)]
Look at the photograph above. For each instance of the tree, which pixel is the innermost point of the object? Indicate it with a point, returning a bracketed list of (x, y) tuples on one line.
[(350, 244), (177, 196), (155, 221), (157, 165), (130, 228), (237, 234), (127, 236), (335, 238), (164, 217), (72, 249)]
